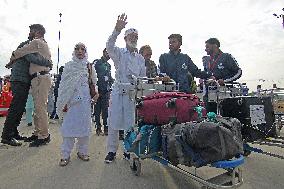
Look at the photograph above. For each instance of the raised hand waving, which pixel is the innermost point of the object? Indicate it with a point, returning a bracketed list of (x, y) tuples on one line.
[(121, 22)]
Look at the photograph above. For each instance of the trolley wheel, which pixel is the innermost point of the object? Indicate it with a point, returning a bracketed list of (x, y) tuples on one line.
[(136, 166)]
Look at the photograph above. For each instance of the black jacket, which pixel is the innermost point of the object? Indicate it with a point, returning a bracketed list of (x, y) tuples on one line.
[(180, 68), (223, 66), (105, 80), (20, 68)]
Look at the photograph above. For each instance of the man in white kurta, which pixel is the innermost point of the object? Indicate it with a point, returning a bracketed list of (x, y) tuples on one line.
[(128, 63)]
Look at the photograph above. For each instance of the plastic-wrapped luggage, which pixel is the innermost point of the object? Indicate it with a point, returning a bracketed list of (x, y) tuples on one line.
[(255, 113), (200, 143), (165, 107), (145, 140), (5, 101)]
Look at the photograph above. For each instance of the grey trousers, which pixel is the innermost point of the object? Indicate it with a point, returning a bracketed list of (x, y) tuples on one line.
[(68, 144)]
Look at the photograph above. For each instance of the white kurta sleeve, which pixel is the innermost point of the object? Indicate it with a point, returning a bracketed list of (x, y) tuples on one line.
[(143, 69), (113, 51)]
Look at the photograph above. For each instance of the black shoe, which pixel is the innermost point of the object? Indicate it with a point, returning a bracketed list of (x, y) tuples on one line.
[(126, 156), (19, 137), (121, 137), (110, 157), (99, 131), (30, 124), (47, 139), (31, 138), (40, 142), (105, 131), (121, 134), (11, 142)]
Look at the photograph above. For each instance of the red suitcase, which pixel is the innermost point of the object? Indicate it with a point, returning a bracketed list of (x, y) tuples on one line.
[(165, 107)]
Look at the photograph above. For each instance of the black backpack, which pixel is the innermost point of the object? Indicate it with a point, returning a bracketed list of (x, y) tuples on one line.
[(200, 143)]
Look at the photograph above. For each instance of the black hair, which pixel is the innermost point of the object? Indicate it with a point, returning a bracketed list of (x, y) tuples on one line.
[(176, 36), (213, 41), (61, 69), (38, 27)]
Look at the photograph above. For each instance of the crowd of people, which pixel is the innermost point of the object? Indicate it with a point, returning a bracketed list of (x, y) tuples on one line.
[(74, 99)]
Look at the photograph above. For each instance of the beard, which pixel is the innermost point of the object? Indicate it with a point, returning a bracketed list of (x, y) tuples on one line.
[(131, 44), (209, 52)]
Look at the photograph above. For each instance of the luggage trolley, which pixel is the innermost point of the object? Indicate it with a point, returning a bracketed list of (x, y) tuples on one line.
[(231, 178), (278, 106), (261, 117), (217, 93), (147, 86)]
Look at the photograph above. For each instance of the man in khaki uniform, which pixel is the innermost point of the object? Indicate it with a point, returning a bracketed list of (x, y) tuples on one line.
[(40, 83)]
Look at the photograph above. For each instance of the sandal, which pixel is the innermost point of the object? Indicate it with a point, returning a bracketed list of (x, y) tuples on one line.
[(64, 162), (83, 157)]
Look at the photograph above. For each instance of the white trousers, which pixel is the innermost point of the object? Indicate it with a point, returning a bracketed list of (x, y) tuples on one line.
[(112, 140), (68, 144)]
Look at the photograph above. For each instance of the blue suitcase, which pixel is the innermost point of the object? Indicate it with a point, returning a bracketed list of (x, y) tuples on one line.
[(144, 140)]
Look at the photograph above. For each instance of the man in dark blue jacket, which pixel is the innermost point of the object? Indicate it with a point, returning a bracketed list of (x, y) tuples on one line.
[(56, 86), (105, 80), (220, 66), (20, 85), (179, 66)]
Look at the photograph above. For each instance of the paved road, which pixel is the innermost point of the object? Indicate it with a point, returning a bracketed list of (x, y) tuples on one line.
[(37, 168)]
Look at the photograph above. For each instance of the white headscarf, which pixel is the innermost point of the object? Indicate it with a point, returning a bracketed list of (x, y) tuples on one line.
[(72, 73), (76, 59)]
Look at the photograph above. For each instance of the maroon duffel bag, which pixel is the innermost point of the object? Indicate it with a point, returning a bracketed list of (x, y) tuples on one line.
[(165, 107)]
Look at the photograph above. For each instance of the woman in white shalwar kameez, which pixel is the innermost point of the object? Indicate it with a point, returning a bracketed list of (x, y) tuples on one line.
[(74, 105)]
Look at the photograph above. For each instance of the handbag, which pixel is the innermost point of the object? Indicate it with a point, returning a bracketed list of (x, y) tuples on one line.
[(93, 91)]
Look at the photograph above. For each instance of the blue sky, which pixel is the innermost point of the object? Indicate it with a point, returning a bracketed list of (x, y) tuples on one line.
[(246, 28)]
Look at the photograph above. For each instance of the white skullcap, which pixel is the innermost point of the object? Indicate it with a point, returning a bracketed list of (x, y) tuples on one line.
[(129, 31)]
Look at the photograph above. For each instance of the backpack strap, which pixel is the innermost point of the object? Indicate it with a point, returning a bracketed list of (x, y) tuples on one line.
[(90, 71)]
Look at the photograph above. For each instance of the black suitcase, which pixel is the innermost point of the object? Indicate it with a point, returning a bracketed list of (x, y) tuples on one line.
[(255, 113)]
